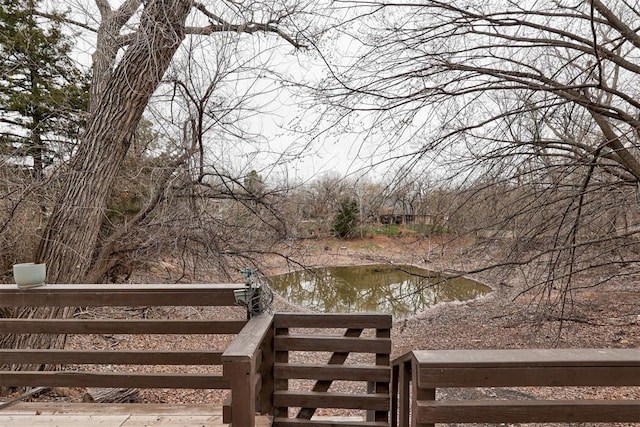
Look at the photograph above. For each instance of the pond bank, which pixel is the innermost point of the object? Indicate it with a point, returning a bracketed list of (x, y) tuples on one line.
[(607, 316)]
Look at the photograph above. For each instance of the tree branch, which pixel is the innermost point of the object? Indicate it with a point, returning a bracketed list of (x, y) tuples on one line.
[(66, 20), (616, 23), (218, 25)]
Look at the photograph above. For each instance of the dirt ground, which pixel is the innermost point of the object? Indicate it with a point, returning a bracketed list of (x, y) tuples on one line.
[(607, 316)]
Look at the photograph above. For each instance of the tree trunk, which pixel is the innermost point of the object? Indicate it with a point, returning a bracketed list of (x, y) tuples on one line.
[(107, 46), (70, 238), (69, 241)]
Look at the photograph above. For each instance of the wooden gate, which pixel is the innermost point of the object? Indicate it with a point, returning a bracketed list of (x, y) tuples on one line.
[(317, 368)]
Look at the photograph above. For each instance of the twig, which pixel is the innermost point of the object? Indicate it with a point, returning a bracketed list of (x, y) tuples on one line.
[(23, 396)]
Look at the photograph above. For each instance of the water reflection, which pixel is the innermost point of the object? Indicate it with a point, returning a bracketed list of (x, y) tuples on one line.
[(399, 290)]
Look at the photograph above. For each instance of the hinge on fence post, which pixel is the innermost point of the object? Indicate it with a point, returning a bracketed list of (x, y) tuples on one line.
[(255, 297)]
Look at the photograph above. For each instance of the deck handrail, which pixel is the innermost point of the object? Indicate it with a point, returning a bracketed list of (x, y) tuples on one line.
[(248, 365), (85, 295), (424, 371), (199, 295)]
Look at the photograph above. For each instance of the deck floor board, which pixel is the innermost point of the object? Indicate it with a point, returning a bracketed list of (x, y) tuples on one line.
[(114, 415)]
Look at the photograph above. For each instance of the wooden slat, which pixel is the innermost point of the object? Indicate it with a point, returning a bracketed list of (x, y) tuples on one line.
[(337, 358), (533, 376), (248, 342), (528, 411), (266, 371), (102, 357), (74, 326), (334, 344), (280, 357), (330, 372), (121, 295), (297, 422), (333, 320), (65, 407), (125, 380), (227, 415), (382, 387), (310, 399), (527, 358)]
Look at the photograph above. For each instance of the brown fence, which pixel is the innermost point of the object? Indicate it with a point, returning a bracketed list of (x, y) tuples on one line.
[(307, 336), (255, 365), (417, 376), (272, 359), (86, 296)]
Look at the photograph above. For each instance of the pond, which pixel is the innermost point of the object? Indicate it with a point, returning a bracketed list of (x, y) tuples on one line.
[(400, 290)]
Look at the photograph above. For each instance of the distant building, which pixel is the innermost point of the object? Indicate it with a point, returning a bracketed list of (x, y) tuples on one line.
[(389, 215)]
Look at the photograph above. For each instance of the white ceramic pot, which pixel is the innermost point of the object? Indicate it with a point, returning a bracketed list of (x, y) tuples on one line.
[(29, 274)]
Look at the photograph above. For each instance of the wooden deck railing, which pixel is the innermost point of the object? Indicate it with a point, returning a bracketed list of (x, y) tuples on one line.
[(248, 366), (272, 358), (306, 333), (417, 376), (118, 296), (255, 365)]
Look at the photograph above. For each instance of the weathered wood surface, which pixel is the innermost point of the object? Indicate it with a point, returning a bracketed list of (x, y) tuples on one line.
[(111, 379), (312, 399), (328, 422), (120, 326), (243, 368), (534, 376), (115, 415), (334, 344), (339, 372), (527, 358), (246, 344), (111, 357), (333, 320), (510, 368), (120, 295), (289, 338), (565, 411)]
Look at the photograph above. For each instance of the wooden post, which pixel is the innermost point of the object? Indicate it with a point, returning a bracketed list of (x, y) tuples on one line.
[(404, 397), (395, 390), (382, 359), (371, 389), (243, 402), (266, 370), (419, 394), (281, 384), (240, 366)]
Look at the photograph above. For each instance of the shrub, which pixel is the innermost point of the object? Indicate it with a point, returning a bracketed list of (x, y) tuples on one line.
[(345, 224)]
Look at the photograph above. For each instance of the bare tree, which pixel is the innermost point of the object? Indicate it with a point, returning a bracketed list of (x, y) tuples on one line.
[(175, 183), (136, 44), (530, 108), (114, 200)]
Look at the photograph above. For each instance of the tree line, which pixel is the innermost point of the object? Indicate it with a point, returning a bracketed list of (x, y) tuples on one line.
[(525, 116)]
